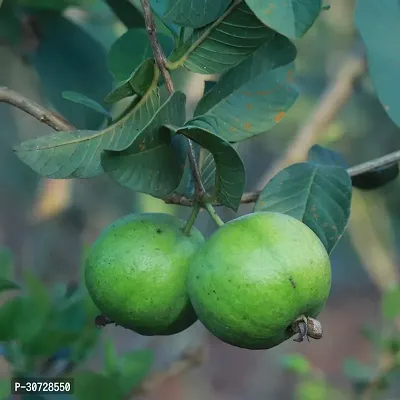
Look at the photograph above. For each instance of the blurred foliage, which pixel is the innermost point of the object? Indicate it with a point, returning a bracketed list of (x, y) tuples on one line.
[(40, 328), (367, 381)]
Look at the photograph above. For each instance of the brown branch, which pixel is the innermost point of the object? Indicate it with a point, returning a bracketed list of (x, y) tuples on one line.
[(186, 362), (155, 45), (49, 118), (161, 63)]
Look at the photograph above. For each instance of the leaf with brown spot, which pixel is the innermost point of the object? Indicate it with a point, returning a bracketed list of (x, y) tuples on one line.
[(262, 78)]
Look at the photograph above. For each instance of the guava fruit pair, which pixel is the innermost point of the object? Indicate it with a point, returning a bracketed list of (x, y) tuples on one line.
[(252, 283)]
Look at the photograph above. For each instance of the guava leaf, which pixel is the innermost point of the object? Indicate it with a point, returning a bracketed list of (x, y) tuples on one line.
[(254, 96), (186, 185), (127, 13), (77, 154), (94, 386), (9, 313), (230, 172), (190, 13), (391, 303), (69, 58), (6, 284), (130, 50), (138, 83), (208, 169), (377, 177), (225, 43), (150, 164), (383, 56), (158, 8), (80, 98), (318, 195), (322, 155), (58, 5), (296, 363), (292, 18)]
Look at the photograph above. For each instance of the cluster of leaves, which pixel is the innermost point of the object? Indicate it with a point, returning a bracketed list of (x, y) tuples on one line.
[(368, 381), (248, 46), (51, 333)]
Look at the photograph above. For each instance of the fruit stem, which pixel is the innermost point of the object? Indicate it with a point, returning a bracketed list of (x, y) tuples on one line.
[(191, 220), (213, 214)]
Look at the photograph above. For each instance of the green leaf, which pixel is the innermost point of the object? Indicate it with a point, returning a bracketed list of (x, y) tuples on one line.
[(130, 50), (321, 155), (129, 14), (383, 56), (190, 13), (312, 389), (208, 169), (10, 24), (133, 368), (6, 263), (58, 5), (94, 386), (9, 314), (86, 101), (292, 18), (391, 303), (150, 164), (77, 154), (110, 357), (230, 172), (254, 96), (318, 195), (296, 363), (6, 284), (37, 292), (181, 146), (358, 372), (138, 83), (223, 44), (158, 8), (68, 58), (5, 384), (376, 177)]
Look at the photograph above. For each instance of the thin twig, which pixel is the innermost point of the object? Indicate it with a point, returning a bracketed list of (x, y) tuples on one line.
[(155, 45), (37, 111), (186, 362), (161, 63)]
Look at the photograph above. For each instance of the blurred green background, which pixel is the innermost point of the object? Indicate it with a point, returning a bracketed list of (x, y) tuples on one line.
[(47, 224)]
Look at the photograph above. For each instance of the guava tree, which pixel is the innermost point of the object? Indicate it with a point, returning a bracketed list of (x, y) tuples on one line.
[(152, 147)]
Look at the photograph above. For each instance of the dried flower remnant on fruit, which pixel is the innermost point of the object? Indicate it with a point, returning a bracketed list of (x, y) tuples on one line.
[(307, 327)]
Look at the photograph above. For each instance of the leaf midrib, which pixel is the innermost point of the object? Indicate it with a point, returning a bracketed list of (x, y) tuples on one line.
[(104, 131)]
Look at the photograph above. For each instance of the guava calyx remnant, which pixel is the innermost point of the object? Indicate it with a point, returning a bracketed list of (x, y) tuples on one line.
[(307, 327)]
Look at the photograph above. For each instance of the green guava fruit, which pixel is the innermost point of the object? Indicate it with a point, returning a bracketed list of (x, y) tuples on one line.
[(255, 276), (136, 273)]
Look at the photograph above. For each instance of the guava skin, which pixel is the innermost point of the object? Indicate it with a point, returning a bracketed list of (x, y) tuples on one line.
[(136, 273), (255, 276)]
